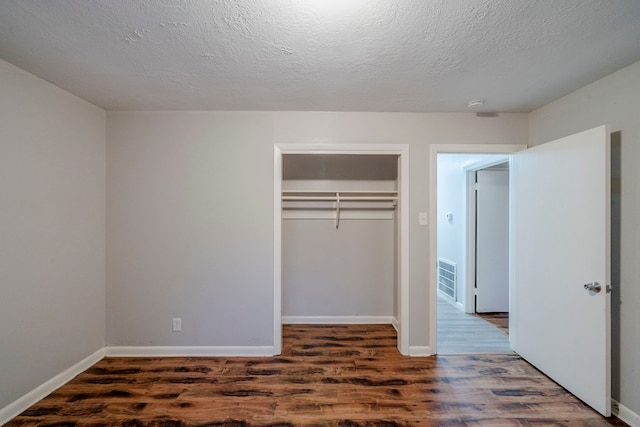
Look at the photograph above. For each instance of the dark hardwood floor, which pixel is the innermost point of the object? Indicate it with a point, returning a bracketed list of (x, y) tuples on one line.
[(326, 375), (499, 320)]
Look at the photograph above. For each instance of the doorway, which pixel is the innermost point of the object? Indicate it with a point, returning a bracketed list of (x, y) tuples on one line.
[(473, 258), (552, 261), (463, 300)]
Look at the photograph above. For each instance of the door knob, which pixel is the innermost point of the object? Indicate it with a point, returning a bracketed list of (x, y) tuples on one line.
[(593, 288)]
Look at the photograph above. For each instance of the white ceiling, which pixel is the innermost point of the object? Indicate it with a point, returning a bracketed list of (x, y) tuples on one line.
[(331, 55)]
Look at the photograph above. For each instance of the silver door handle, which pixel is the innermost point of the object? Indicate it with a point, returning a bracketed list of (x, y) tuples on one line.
[(593, 288)]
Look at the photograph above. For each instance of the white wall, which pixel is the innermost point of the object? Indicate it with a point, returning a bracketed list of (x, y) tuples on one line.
[(338, 272), (190, 214), (451, 197), (190, 228), (52, 229), (614, 101)]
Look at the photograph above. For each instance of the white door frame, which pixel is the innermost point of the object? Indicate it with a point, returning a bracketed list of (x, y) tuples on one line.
[(436, 149), (401, 150), (470, 234)]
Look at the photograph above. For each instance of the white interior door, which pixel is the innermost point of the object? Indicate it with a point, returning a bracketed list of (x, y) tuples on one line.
[(560, 241), (492, 241)]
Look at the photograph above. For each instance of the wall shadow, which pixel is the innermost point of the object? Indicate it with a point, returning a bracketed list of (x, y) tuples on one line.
[(616, 196)]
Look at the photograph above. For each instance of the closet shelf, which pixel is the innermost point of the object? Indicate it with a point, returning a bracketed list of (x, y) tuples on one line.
[(331, 196), (335, 201)]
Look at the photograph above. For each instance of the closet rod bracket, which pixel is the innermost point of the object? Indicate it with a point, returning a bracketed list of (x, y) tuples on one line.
[(337, 210)]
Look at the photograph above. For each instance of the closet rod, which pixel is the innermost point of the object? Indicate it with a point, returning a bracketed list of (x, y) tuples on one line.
[(389, 207), (343, 198)]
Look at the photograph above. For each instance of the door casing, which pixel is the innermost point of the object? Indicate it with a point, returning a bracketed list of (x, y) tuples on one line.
[(436, 149), (402, 151)]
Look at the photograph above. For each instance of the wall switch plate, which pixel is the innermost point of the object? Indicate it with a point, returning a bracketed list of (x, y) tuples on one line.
[(177, 324), (423, 219)]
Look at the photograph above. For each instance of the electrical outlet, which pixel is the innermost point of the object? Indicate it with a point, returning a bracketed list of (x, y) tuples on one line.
[(177, 324)]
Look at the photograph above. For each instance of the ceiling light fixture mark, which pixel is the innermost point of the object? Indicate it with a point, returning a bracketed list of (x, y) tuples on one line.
[(135, 35)]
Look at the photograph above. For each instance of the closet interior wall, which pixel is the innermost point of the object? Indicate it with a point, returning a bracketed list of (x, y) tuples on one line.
[(339, 270)]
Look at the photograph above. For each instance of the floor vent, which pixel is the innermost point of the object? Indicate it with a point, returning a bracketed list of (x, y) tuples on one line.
[(447, 278)]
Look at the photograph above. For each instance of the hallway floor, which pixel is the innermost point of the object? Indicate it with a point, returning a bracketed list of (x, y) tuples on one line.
[(462, 333)]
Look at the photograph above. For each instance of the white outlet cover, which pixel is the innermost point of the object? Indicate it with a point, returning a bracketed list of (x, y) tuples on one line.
[(177, 324)]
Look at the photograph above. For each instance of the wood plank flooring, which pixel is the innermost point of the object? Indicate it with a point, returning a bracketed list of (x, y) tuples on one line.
[(333, 375), (499, 320), (462, 333)]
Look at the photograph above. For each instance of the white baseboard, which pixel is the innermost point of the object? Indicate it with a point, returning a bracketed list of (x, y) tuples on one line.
[(34, 396), (625, 414), (395, 324), (420, 351), (337, 320), (184, 351)]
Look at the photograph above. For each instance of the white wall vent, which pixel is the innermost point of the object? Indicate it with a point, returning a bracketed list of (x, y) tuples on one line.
[(447, 278)]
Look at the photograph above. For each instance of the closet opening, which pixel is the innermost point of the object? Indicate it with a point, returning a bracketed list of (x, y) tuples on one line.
[(340, 253)]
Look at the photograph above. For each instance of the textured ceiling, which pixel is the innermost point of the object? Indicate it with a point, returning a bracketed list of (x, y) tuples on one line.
[(331, 55)]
